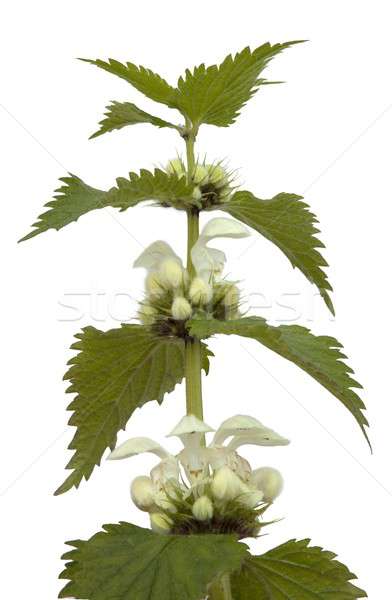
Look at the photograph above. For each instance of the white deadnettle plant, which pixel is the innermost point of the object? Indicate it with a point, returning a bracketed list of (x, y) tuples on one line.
[(203, 486), (209, 489)]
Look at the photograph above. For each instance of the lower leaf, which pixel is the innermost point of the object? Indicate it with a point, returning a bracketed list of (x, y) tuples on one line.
[(125, 562), (295, 571)]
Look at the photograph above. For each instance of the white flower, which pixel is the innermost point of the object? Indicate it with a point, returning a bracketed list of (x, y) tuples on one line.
[(200, 292), (250, 496), (171, 273), (203, 473), (181, 309), (226, 485), (164, 267), (203, 509), (209, 262), (143, 493), (194, 457), (136, 446), (269, 481), (160, 523)]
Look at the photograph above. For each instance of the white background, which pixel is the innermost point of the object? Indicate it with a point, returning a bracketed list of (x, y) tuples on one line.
[(325, 133)]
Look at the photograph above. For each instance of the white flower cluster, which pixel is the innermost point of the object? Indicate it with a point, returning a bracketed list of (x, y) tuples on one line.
[(213, 183), (206, 486), (169, 291)]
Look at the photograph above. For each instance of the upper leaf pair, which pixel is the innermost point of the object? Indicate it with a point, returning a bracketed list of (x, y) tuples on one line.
[(285, 219), (213, 95), (126, 562)]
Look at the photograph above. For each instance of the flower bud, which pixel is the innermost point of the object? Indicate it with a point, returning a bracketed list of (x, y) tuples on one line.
[(171, 273), (232, 296), (176, 166), (203, 509), (181, 309), (160, 523), (269, 481), (142, 493), (162, 501), (217, 175), (226, 485), (200, 292), (200, 175), (146, 314), (154, 285), (250, 498), (196, 194)]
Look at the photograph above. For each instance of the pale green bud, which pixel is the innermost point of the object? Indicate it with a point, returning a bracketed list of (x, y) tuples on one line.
[(142, 493), (176, 166), (154, 285), (269, 481), (226, 485), (203, 509), (200, 175), (181, 309), (232, 296), (162, 500), (171, 273), (160, 523), (217, 175), (147, 314), (196, 194), (250, 498), (200, 292)]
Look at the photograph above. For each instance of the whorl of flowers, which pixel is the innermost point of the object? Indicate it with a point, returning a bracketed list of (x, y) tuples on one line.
[(206, 489), (213, 183), (172, 297)]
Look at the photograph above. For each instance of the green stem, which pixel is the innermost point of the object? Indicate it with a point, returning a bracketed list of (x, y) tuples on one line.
[(193, 366), (194, 400), (220, 589)]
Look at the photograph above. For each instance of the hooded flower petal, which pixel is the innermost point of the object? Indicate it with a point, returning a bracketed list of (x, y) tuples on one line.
[(166, 470), (235, 425), (209, 262), (265, 437), (138, 445), (189, 424), (154, 254)]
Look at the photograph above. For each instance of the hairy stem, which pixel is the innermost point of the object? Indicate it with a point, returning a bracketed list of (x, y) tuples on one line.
[(194, 400), (221, 589)]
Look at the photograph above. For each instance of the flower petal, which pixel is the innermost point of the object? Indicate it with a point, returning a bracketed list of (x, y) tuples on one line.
[(154, 254), (138, 445), (190, 424), (209, 262), (265, 437), (220, 227), (234, 425)]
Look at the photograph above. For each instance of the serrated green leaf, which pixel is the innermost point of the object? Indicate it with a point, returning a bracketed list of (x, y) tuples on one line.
[(144, 80), (319, 356), (125, 562), (216, 94), (295, 571), (114, 373), (121, 114), (75, 198), (287, 222)]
